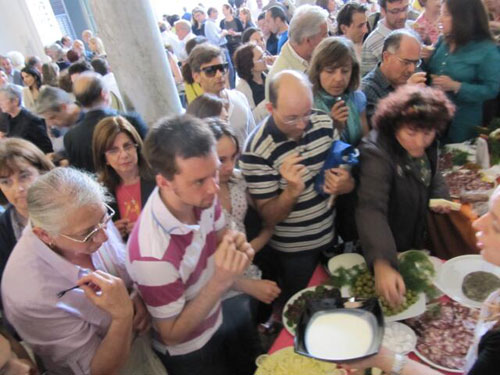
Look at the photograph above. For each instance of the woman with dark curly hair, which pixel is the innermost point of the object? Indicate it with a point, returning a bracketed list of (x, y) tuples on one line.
[(398, 176), (251, 67), (32, 83)]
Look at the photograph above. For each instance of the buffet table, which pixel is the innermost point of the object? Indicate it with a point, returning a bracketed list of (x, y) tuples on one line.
[(285, 339)]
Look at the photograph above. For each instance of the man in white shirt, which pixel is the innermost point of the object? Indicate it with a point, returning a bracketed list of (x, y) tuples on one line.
[(353, 24), (307, 29), (184, 34), (394, 16), (209, 70)]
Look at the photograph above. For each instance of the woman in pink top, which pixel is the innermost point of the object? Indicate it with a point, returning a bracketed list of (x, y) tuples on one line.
[(427, 23)]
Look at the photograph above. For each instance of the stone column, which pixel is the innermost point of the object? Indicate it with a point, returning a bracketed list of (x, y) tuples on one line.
[(136, 55)]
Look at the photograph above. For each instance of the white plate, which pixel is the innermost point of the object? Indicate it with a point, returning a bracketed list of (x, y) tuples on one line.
[(292, 299), (399, 329), (418, 308), (451, 275), (346, 261), (435, 365)]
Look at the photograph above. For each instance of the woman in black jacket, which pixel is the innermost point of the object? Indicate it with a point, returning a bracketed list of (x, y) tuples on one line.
[(399, 174)]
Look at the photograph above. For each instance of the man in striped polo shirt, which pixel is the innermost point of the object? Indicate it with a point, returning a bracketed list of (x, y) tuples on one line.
[(179, 255), (281, 160)]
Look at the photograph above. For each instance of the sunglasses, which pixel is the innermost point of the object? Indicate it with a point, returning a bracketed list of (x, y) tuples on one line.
[(211, 70)]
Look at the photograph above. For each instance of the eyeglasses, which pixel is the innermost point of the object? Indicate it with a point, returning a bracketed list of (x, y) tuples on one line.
[(291, 121), (102, 225), (128, 147), (398, 10), (211, 70), (407, 62)]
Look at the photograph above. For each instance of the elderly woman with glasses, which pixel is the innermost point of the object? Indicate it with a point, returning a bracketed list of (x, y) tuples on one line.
[(398, 176), (65, 285), (120, 167)]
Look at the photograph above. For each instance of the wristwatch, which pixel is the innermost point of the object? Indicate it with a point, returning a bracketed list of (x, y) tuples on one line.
[(399, 363)]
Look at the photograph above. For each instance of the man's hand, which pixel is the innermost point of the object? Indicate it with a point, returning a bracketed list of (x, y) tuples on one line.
[(389, 283), (230, 263), (240, 241), (340, 113), (338, 181), (418, 78), (142, 319), (293, 173), (108, 293), (441, 209)]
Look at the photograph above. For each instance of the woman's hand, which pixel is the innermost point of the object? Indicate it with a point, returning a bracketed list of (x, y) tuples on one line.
[(264, 290), (445, 83), (378, 360), (441, 209), (122, 225), (338, 181), (389, 283), (340, 113)]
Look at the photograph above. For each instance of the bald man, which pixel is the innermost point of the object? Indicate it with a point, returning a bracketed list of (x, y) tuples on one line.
[(281, 160), (93, 95)]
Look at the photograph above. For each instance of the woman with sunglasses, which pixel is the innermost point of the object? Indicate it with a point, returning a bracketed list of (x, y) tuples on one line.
[(465, 64), (21, 163), (65, 284), (120, 167), (32, 84)]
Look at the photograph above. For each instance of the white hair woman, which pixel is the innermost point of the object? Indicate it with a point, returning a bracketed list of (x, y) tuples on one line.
[(65, 284)]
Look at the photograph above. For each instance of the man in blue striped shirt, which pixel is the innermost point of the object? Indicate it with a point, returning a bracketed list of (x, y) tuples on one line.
[(281, 160)]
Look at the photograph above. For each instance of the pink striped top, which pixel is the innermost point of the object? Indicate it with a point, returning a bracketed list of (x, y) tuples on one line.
[(171, 262)]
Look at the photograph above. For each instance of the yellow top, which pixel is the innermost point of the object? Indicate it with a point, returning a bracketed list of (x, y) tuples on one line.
[(192, 91)]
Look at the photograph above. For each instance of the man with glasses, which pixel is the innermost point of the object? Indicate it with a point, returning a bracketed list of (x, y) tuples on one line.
[(281, 160), (210, 70), (394, 16), (400, 61)]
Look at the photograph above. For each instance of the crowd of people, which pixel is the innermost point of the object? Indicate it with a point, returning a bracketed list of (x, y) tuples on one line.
[(128, 249)]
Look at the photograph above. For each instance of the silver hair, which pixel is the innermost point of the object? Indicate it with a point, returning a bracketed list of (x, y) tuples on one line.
[(58, 193), (51, 98), (56, 49), (12, 92), (306, 22), (183, 24)]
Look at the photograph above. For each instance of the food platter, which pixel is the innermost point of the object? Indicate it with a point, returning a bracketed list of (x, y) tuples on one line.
[(351, 260), (287, 362), (450, 276), (291, 327), (435, 365), (444, 334)]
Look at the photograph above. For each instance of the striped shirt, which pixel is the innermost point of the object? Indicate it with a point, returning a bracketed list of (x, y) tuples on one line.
[(171, 262), (310, 223), (371, 53)]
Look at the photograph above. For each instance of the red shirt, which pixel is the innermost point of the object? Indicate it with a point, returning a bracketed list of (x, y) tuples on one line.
[(128, 198)]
